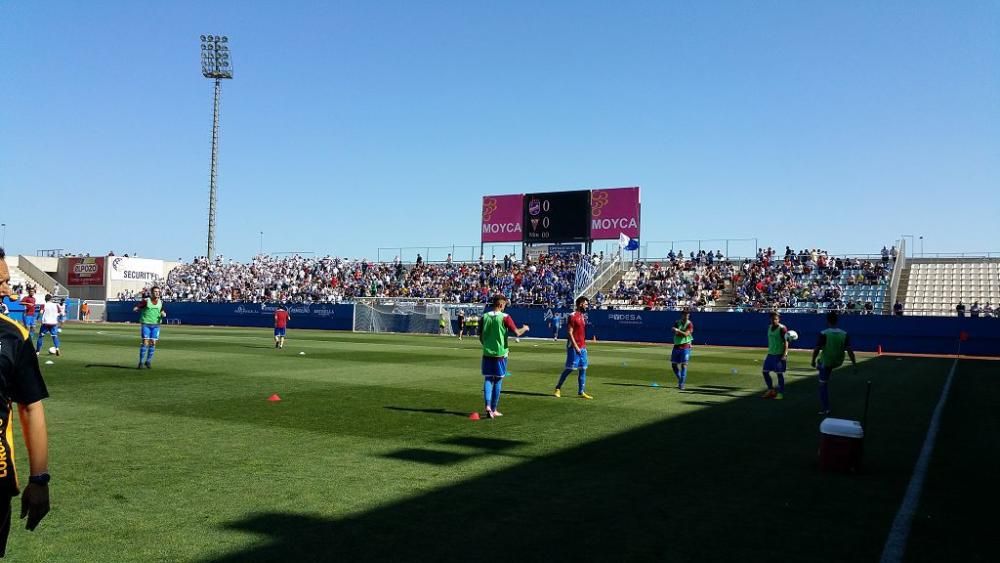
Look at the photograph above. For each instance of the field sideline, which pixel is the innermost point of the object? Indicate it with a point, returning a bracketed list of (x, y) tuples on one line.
[(370, 454)]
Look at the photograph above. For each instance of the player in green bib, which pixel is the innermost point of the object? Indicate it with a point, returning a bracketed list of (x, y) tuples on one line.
[(832, 346), (493, 336), (777, 357), (151, 312)]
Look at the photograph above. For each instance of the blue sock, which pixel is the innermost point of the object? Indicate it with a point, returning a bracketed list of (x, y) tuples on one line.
[(142, 352), (582, 380), (562, 378), (38, 343), (55, 340), (683, 375), (824, 396), (781, 382), (677, 372), (767, 380), (488, 391), (497, 385), (149, 353)]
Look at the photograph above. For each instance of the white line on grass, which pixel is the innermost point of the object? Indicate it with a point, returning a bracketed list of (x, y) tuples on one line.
[(895, 544)]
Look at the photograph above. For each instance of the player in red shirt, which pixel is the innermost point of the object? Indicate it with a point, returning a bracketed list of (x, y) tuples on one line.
[(576, 348), (281, 318), (29, 311)]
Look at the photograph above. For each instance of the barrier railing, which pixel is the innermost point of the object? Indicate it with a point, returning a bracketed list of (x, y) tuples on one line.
[(608, 270)]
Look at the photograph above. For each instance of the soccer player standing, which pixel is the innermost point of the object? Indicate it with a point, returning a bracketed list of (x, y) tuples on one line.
[(493, 337), (683, 331), (461, 322), (576, 349), (51, 313), (29, 311), (151, 312), (833, 343), (281, 318), (777, 357), (21, 382)]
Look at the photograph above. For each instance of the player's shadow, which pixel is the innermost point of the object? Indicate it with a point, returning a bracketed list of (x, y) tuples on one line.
[(442, 411), (110, 366), (669, 490), (525, 393), (634, 385)]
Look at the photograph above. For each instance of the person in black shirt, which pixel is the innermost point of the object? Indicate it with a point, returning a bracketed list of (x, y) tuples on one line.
[(897, 309), (21, 382), (960, 309)]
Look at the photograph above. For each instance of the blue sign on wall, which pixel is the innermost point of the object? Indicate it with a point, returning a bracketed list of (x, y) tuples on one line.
[(916, 335), (304, 315)]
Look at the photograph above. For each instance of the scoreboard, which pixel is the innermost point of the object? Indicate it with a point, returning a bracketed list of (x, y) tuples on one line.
[(557, 217)]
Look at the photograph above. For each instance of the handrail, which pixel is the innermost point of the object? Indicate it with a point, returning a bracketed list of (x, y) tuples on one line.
[(897, 273), (48, 283), (609, 269)]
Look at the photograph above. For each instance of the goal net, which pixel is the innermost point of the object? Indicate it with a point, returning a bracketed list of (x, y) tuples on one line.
[(95, 310), (384, 314)]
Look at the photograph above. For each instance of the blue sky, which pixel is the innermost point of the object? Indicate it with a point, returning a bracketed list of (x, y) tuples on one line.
[(351, 126)]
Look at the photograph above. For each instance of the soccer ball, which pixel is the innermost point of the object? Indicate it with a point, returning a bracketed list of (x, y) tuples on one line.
[(791, 336), (52, 350)]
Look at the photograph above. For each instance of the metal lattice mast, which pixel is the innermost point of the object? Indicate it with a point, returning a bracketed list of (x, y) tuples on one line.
[(215, 64)]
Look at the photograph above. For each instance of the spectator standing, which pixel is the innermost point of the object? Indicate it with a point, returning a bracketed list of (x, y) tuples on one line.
[(960, 309), (897, 309), (974, 310)]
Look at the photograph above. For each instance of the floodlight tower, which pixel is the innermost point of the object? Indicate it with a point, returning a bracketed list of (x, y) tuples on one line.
[(214, 64)]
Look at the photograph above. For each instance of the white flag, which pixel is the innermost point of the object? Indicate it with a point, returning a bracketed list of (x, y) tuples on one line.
[(623, 240)]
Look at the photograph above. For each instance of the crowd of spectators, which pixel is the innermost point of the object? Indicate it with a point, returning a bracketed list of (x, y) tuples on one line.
[(697, 281), (544, 280), (809, 278)]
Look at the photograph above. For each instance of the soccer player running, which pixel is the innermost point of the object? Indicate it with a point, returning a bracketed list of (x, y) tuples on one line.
[(493, 337), (683, 331), (777, 357), (281, 318), (151, 312), (51, 313), (833, 343), (576, 349), (29, 310)]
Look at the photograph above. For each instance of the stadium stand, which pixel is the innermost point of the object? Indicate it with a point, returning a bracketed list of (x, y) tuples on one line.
[(548, 280), (936, 286)]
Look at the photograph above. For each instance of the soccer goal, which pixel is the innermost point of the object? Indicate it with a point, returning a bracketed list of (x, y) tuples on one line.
[(97, 311), (385, 314)]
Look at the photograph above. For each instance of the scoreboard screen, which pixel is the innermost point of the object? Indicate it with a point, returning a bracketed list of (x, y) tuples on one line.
[(557, 217)]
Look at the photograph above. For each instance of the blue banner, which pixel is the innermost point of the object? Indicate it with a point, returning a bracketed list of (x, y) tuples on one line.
[(915, 335), (303, 315)]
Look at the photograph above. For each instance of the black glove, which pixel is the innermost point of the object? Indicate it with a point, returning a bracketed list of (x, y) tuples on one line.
[(34, 504)]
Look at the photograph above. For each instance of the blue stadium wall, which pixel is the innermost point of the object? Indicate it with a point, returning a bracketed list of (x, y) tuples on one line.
[(917, 335), (325, 316)]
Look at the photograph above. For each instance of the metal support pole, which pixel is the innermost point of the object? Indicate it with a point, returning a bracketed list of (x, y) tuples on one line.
[(212, 188)]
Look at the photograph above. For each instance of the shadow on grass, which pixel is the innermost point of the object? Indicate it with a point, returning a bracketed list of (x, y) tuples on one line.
[(525, 393), (110, 366), (651, 386), (428, 411), (720, 483)]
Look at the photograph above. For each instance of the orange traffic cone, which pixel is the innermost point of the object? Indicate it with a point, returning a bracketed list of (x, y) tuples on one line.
[(274, 398), (474, 416)]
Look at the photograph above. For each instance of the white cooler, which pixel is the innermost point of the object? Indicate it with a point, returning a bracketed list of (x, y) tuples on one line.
[(840, 445)]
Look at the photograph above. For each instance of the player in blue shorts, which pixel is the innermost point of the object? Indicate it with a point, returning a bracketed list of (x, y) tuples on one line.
[(576, 349), (777, 357), (151, 313), (683, 331), (493, 337)]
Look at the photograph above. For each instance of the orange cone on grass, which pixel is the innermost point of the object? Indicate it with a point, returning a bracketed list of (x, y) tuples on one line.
[(274, 398)]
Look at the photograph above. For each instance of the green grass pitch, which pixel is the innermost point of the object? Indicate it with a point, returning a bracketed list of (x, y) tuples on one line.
[(370, 454)]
